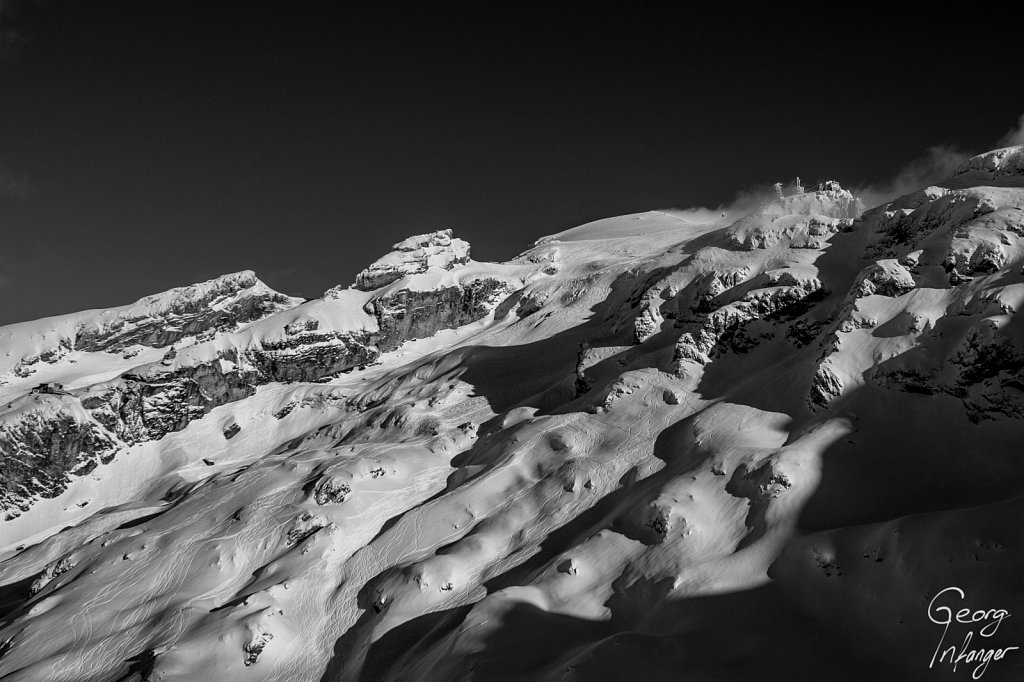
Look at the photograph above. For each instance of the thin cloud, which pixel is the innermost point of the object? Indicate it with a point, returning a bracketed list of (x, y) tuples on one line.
[(936, 165), (1015, 136), (746, 201)]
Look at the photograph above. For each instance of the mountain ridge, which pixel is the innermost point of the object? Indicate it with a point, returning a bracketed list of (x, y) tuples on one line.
[(599, 459)]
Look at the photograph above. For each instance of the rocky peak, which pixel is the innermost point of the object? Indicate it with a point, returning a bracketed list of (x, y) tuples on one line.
[(181, 298), (162, 319), (412, 256)]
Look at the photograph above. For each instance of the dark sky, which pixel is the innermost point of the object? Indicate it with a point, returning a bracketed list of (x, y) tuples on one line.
[(145, 145)]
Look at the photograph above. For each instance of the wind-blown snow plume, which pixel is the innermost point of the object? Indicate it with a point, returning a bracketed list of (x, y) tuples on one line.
[(1014, 136), (746, 201), (936, 165)]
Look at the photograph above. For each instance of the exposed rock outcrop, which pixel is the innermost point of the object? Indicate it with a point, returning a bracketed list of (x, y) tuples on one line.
[(964, 241), (885, 278), (722, 328), (898, 228), (257, 642), (406, 315), (27, 365), (50, 573), (48, 440), (163, 319), (312, 355), (648, 323), (985, 370), (154, 401), (412, 256), (826, 386)]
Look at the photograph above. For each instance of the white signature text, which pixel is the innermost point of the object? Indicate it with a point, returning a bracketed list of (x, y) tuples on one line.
[(947, 608)]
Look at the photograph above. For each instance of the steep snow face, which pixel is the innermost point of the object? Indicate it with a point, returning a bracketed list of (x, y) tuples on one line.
[(645, 448)]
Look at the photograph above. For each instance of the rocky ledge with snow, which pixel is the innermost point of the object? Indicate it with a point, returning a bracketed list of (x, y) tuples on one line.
[(412, 256)]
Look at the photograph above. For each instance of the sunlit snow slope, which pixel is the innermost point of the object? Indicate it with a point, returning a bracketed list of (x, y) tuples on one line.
[(646, 448)]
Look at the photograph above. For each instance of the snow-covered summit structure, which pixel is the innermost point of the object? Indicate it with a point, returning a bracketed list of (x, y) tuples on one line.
[(828, 199), (805, 216)]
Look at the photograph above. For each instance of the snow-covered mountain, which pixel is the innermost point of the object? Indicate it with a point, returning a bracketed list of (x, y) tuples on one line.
[(646, 448)]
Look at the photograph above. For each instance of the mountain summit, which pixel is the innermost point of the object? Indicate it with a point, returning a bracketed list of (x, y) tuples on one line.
[(648, 447)]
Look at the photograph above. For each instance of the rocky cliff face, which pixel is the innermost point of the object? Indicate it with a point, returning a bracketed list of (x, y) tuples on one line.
[(152, 401), (311, 355), (406, 315), (197, 312), (46, 442), (158, 321), (42, 449)]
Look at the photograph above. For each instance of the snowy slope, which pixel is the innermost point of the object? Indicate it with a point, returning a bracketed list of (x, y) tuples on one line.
[(646, 448)]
